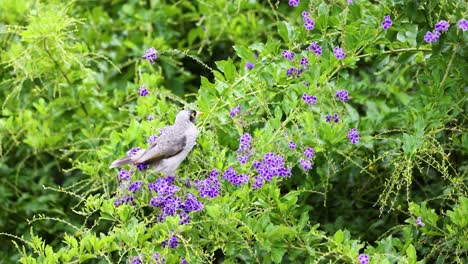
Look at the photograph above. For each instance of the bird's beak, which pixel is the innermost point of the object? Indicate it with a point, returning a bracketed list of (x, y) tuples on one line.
[(200, 113)]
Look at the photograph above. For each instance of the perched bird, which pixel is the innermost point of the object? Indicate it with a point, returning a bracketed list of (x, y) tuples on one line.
[(170, 149)]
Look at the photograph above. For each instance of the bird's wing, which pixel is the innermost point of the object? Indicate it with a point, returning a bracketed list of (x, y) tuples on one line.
[(166, 146)]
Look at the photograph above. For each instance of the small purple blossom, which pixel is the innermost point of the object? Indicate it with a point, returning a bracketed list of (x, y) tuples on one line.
[(309, 99), (292, 145), (353, 136), (432, 37), (142, 166), (134, 187), (387, 22), (244, 143), (191, 204), (151, 55), (123, 200), (309, 24), (242, 159), (158, 258), (307, 84), (306, 164), (336, 118), (173, 242), (291, 71), (339, 53), (150, 118), (133, 151), (309, 152), (184, 218), (305, 14), (135, 260), (208, 187), (304, 61), (249, 65), (343, 95), (350, 2), (363, 258), (442, 26), (463, 24), (289, 55), (315, 48), (258, 182), (234, 111), (151, 139), (124, 175), (328, 118), (183, 261), (294, 2), (420, 222), (143, 91)]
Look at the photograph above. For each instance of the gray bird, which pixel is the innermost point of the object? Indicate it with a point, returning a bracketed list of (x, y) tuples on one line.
[(170, 149)]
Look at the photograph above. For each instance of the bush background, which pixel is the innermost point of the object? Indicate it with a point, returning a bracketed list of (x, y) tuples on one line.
[(70, 105)]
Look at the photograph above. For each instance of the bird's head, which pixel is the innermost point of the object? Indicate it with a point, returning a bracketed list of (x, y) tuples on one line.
[(187, 116)]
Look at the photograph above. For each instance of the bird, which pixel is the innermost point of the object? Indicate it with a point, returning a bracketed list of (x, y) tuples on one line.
[(168, 151)]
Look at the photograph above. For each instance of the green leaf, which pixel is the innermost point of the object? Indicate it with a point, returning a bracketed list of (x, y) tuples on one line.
[(339, 236), (277, 254), (411, 253)]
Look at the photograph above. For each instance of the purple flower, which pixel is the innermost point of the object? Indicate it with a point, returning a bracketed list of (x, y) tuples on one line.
[(432, 36), (304, 61), (294, 2), (339, 53), (184, 218), (124, 175), (158, 258), (442, 26), (164, 186), (135, 260), (151, 55), (134, 187), (309, 24), (289, 55), (305, 14), (336, 118), (420, 222), (309, 99), (150, 118), (208, 187), (143, 91), (249, 65), (328, 118), (387, 22), (463, 24), (242, 159), (350, 2), (234, 111), (151, 139), (244, 143), (291, 71), (123, 200), (272, 165), (183, 261), (309, 152), (363, 259), (353, 136), (191, 204), (173, 242), (133, 151), (292, 145), (315, 48), (258, 182), (142, 166), (306, 164), (343, 95), (306, 83)]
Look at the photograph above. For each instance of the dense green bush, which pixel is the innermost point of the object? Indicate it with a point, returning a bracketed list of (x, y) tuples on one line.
[(70, 104)]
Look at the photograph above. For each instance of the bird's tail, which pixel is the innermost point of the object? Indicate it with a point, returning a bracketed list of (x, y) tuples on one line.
[(120, 162)]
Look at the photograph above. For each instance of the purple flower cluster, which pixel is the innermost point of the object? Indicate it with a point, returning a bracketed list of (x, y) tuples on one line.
[(304, 61), (151, 55), (124, 175), (134, 187), (234, 111), (158, 258), (208, 187), (244, 148), (353, 136), (315, 48), (133, 151), (420, 222), (309, 24), (387, 22), (339, 53), (143, 91), (166, 199), (336, 118), (183, 261), (294, 71), (123, 200), (432, 37), (172, 242), (292, 145), (343, 95), (309, 99), (463, 24), (271, 166), (306, 164), (363, 258), (294, 2), (151, 139), (142, 166), (309, 152), (289, 55), (249, 65), (232, 177)]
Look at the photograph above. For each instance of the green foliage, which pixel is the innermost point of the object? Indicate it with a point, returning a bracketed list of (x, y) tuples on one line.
[(69, 106)]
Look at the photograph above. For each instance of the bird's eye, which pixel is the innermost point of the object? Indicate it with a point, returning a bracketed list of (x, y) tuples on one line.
[(193, 115)]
